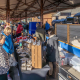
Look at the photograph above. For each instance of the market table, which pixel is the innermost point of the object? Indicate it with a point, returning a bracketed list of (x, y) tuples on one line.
[(35, 74)]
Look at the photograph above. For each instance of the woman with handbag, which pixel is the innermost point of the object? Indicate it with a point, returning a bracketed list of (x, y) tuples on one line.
[(8, 46), (4, 62)]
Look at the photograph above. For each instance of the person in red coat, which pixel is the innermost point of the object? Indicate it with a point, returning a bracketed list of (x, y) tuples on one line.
[(19, 29)]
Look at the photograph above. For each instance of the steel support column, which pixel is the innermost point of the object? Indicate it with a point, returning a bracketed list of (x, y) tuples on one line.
[(26, 17), (41, 13), (8, 12), (20, 18), (13, 19)]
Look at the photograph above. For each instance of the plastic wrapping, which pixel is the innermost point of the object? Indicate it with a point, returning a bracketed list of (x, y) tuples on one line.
[(75, 61)]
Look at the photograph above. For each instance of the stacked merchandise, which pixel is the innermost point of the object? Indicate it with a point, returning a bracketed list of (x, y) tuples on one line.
[(25, 53), (66, 72), (19, 38), (75, 61), (36, 42), (29, 65), (65, 57), (23, 64)]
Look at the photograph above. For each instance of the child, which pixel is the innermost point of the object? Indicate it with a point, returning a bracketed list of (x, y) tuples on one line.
[(4, 63)]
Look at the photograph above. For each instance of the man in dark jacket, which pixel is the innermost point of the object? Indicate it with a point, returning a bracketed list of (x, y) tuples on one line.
[(52, 51)]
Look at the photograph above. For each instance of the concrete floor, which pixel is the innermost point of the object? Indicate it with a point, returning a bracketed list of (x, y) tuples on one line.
[(47, 78)]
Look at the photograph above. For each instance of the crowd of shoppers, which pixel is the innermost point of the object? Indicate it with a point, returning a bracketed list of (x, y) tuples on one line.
[(7, 48), (18, 28)]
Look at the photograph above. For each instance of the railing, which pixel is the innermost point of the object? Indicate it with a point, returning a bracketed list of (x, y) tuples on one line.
[(69, 33)]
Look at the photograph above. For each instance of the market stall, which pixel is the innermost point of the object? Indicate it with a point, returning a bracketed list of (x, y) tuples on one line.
[(69, 49), (30, 61)]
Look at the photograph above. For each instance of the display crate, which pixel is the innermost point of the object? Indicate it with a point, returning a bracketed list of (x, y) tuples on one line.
[(36, 56)]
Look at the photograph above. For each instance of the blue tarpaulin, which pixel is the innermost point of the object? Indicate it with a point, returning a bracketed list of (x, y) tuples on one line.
[(70, 48), (58, 21), (77, 15)]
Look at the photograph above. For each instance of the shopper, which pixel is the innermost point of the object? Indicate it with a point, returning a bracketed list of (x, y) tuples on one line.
[(4, 63), (8, 45), (14, 34), (15, 27), (25, 27), (19, 29), (40, 33), (44, 26), (47, 26), (52, 51)]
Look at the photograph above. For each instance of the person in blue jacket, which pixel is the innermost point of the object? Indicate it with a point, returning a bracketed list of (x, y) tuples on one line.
[(8, 45), (47, 26)]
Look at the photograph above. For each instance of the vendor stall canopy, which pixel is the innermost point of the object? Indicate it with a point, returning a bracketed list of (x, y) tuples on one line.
[(77, 15), (33, 7)]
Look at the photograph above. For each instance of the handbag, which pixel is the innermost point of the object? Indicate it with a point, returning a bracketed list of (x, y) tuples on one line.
[(12, 61)]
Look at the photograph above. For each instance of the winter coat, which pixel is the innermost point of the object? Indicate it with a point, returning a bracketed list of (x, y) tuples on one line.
[(40, 34), (8, 45), (4, 63), (19, 29), (52, 49), (47, 26)]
